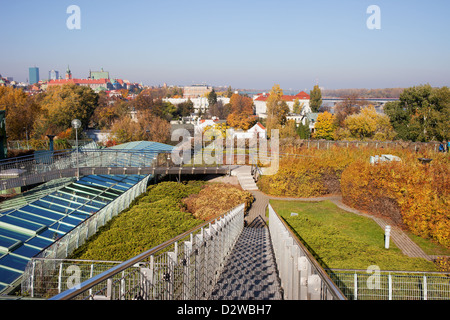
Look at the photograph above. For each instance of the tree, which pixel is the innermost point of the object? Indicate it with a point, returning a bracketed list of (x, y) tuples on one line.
[(61, 104), (303, 130), (212, 98), (277, 109), (297, 107), (350, 105), (241, 115), (219, 110), (315, 98), (21, 111), (148, 127), (421, 114), (368, 124), (289, 129), (229, 92), (184, 109), (324, 127)]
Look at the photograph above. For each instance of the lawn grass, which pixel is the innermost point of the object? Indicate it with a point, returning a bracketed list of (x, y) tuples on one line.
[(343, 240)]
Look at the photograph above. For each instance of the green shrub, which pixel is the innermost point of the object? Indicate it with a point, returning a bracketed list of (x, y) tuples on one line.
[(154, 218)]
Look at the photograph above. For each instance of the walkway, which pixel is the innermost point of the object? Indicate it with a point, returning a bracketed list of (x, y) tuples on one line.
[(250, 271)]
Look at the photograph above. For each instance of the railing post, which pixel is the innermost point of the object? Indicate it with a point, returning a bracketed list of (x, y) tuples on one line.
[(296, 274), (60, 277), (390, 286), (425, 289), (355, 285), (187, 288), (170, 277), (314, 287), (304, 268)]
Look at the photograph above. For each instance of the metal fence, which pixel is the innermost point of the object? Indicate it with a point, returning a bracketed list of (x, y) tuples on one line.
[(302, 277), (47, 165), (327, 144), (374, 284), (183, 268)]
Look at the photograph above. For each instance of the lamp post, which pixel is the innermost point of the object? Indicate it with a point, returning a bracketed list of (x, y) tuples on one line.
[(76, 124)]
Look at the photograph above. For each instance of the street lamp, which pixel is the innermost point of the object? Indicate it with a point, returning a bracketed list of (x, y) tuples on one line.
[(76, 124)]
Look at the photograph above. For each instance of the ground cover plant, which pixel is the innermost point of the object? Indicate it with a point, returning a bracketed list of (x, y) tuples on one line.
[(155, 217), (344, 240)]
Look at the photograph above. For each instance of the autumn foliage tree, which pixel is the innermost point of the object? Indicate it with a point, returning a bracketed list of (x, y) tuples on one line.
[(21, 111), (147, 127), (324, 127), (369, 124), (61, 104), (277, 109), (241, 115)]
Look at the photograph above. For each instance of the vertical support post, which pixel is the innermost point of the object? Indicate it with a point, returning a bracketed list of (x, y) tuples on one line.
[(60, 277), (314, 287), (390, 286), (32, 278), (296, 274), (304, 268), (355, 289), (425, 289), (187, 270)]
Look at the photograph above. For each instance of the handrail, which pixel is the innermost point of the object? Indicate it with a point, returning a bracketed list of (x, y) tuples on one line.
[(88, 284), (334, 289)]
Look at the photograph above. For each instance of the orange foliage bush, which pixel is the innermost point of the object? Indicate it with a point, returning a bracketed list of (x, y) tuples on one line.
[(305, 172), (443, 264), (215, 199), (410, 193)]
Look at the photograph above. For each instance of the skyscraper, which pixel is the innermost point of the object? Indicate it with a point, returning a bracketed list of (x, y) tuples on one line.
[(53, 75), (33, 75)]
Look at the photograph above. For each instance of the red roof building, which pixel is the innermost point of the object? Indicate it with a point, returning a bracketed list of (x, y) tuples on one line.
[(300, 96), (261, 99)]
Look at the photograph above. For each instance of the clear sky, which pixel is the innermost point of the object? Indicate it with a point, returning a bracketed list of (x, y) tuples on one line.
[(242, 43)]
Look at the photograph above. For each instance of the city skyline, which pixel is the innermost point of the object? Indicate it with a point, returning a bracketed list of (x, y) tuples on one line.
[(244, 44)]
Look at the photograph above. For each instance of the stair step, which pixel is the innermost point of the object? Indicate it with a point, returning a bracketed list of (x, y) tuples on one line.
[(250, 271)]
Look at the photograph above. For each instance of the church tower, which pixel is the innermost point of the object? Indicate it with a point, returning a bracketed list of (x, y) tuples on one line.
[(68, 73)]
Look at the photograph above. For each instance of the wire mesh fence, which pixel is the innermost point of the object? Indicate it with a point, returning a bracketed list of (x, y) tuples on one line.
[(392, 285)]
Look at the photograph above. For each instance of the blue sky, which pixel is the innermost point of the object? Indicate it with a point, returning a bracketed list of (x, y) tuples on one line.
[(245, 43)]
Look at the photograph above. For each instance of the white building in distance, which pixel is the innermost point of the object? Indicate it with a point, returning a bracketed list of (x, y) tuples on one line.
[(260, 101)]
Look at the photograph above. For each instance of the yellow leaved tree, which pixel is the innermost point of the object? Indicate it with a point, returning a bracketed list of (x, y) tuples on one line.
[(324, 127)]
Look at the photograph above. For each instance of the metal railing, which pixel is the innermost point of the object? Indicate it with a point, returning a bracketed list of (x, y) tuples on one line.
[(302, 277), (183, 268), (48, 165), (376, 284)]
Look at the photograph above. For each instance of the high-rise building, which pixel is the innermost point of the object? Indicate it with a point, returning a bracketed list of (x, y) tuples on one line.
[(53, 75), (33, 75)]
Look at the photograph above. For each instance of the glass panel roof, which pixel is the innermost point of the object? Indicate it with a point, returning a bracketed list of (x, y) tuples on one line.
[(27, 230)]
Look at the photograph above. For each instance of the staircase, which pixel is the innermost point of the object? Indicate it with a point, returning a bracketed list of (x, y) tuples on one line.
[(250, 271), (245, 178)]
